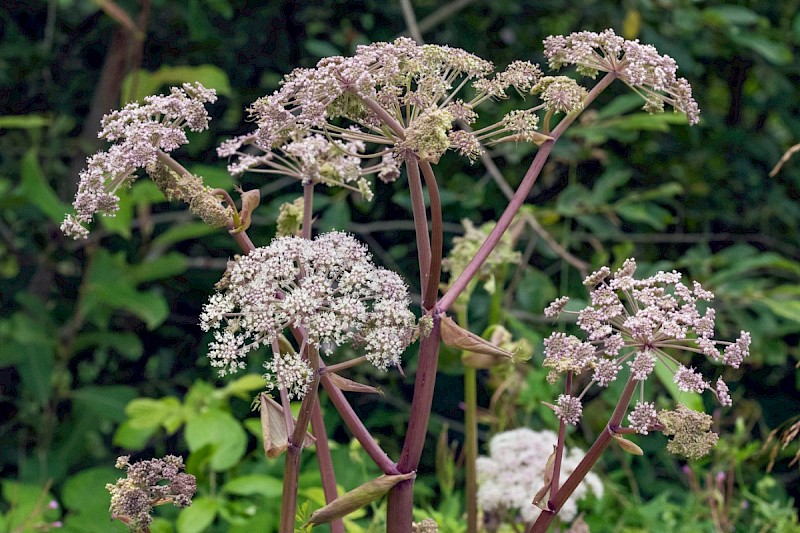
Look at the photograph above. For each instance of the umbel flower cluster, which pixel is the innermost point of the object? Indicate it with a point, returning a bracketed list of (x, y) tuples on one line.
[(327, 287), (640, 322), (640, 66), (149, 483), (400, 97), (515, 470), (140, 132)]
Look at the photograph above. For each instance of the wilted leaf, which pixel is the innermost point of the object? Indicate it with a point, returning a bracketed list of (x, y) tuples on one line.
[(457, 337), (357, 498), (351, 386), (628, 446), (273, 428)]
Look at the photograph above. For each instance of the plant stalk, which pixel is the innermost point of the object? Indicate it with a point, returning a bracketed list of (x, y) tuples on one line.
[(558, 499)]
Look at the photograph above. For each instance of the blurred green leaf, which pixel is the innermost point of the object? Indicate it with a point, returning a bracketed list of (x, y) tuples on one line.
[(37, 190), (266, 486), (150, 83), (774, 52), (106, 402), (32, 120), (220, 430), (198, 516)]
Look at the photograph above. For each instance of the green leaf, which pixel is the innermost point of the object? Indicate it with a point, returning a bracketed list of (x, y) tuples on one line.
[(198, 516), (26, 505), (149, 83), (166, 266), (126, 343), (167, 412), (183, 232), (267, 486), (220, 430), (318, 48), (214, 177), (653, 215), (36, 188), (86, 490), (774, 52), (243, 386), (788, 309), (106, 402), (732, 15), (130, 437), (149, 306), (35, 367), (25, 122)]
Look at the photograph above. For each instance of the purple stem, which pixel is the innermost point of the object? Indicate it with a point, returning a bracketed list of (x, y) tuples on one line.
[(420, 221), (562, 431), (401, 497), (603, 440), (357, 428), (432, 290), (325, 464), (460, 284)]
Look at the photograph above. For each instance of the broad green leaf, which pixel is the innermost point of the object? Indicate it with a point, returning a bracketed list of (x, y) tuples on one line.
[(106, 402), (267, 486), (32, 120), (183, 232), (150, 83), (320, 48), (775, 52), (148, 413), (149, 306), (198, 516), (788, 309), (166, 266), (37, 190), (214, 177), (25, 501), (35, 367), (651, 214), (86, 490), (243, 386), (732, 15), (620, 105), (126, 343), (220, 430), (131, 437)]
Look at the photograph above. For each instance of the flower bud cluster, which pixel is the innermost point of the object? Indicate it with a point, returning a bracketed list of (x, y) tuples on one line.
[(641, 322), (648, 73), (139, 132), (149, 483), (327, 287), (515, 470), (399, 96)]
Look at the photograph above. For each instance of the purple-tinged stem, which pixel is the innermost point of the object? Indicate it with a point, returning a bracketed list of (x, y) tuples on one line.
[(558, 499), (384, 116), (460, 284), (429, 296), (308, 208), (326, 471), (401, 497), (562, 431), (357, 428), (420, 221)]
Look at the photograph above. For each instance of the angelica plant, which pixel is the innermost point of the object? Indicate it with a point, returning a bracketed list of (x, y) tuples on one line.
[(392, 111)]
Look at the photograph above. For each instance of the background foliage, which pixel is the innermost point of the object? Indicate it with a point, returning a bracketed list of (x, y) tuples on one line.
[(101, 353)]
